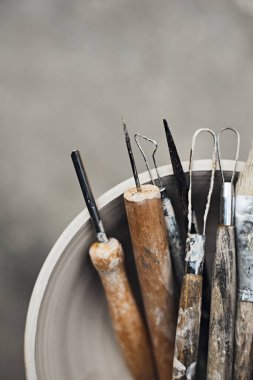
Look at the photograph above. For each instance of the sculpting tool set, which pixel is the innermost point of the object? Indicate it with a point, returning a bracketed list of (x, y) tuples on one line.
[(169, 250)]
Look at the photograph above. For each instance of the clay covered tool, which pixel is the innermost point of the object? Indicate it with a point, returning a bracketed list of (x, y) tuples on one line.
[(243, 365), (223, 297), (150, 245), (174, 239), (188, 324), (108, 258), (181, 180)]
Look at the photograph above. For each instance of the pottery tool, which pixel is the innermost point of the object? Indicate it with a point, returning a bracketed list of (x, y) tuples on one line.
[(188, 324), (108, 259), (181, 180), (131, 156), (175, 243), (243, 365), (150, 245), (223, 298)]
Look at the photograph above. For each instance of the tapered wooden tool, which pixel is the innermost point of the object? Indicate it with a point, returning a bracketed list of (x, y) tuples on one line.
[(107, 257), (174, 239), (222, 315), (223, 298), (188, 324), (243, 363), (149, 238)]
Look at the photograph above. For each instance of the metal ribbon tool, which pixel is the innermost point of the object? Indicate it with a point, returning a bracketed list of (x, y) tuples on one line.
[(188, 324)]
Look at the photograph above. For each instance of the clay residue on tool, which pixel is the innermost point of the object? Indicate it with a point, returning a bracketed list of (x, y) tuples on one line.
[(106, 256), (147, 192), (220, 358), (187, 328), (108, 259), (175, 242), (244, 241), (195, 246), (244, 340)]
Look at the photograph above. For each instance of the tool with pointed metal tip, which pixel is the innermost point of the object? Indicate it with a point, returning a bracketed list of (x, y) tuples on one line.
[(88, 196), (151, 251), (131, 157), (181, 181), (188, 324), (223, 298), (243, 363), (108, 258), (174, 239)]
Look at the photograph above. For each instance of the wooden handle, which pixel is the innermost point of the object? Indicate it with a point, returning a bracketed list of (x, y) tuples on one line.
[(147, 227), (126, 319), (243, 364), (223, 303), (188, 325)]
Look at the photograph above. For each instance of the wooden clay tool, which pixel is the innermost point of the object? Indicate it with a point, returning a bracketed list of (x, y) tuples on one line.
[(150, 245), (108, 258), (243, 365), (188, 324), (223, 298), (174, 239)]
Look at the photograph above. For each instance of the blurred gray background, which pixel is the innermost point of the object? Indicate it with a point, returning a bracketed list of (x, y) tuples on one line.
[(69, 69)]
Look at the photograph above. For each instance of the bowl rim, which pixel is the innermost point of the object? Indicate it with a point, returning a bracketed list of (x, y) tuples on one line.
[(68, 234)]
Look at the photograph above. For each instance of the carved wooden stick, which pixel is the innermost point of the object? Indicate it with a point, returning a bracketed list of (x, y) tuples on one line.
[(223, 302), (149, 238), (126, 320)]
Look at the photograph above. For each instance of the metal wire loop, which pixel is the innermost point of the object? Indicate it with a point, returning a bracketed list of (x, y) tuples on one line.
[(214, 158), (136, 136), (237, 151)]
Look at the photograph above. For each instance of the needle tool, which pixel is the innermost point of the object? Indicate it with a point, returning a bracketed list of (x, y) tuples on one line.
[(174, 239), (243, 365), (151, 251), (108, 259), (223, 297), (181, 180), (188, 324), (131, 156)]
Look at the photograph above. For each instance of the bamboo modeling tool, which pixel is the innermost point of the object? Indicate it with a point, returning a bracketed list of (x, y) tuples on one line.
[(150, 245), (175, 243), (188, 324), (181, 180), (223, 298), (108, 259), (243, 365)]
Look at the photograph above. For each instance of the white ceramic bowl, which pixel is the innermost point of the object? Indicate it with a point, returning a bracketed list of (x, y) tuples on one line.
[(68, 332)]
